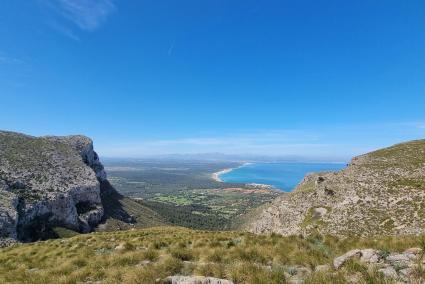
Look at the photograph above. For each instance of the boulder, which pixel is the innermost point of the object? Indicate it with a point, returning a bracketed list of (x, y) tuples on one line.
[(402, 260), (196, 280), (414, 251), (341, 260), (370, 256)]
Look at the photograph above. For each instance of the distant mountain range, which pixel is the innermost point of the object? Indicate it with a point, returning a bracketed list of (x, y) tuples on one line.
[(220, 157)]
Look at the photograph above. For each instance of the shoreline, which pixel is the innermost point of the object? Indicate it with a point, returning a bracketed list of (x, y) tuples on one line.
[(216, 176)]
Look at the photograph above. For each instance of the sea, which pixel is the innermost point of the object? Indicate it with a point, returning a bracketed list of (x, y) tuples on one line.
[(283, 176)]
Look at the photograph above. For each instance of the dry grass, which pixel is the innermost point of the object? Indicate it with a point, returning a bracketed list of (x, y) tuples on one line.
[(144, 256)]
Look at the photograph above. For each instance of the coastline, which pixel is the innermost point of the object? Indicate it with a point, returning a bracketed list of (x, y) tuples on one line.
[(258, 186), (216, 176)]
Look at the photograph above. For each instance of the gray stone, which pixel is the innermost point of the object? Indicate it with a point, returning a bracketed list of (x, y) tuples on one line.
[(389, 272), (400, 260), (196, 280), (405, 274), (369, 256), (341, 260)]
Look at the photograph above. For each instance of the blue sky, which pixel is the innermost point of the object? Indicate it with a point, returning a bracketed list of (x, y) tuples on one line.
[(315, 78)]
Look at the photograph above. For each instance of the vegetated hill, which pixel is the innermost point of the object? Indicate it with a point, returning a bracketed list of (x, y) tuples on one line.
[(123, 213), (380, 193), (48, 182), (174, 255)]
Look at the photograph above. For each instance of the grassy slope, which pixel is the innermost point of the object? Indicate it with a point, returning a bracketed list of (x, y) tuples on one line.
[(144, 255)]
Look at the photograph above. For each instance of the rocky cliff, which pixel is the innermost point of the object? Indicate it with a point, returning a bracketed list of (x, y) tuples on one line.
[(46, 182), (380, 193)]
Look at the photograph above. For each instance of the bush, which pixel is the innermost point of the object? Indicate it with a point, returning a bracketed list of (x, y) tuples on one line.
[(182, 254)]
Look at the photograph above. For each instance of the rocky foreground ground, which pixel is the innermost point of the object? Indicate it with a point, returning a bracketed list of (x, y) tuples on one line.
[(178, 255), (405, 267)]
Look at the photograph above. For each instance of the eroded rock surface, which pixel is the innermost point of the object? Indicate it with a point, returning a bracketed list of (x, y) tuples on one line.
[(45, 182)]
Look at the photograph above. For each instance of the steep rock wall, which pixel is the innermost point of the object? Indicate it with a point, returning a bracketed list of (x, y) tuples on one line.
[(45, 182)]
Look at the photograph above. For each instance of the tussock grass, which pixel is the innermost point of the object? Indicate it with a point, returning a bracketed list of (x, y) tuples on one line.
[(148, 255)]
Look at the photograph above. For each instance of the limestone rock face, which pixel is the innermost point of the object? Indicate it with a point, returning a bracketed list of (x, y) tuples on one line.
[(46, 182), (8, 215), (380, 193)]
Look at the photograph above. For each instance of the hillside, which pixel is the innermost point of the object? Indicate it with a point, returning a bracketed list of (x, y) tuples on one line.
[(123, 213), (176, 255), (380, 193)]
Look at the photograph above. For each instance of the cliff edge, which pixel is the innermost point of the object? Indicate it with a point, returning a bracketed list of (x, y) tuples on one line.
[(46, 182)]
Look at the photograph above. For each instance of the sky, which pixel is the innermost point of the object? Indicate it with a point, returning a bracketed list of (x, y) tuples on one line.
[(316, 78)]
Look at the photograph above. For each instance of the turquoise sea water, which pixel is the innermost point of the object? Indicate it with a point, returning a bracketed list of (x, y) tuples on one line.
[(284, 176)]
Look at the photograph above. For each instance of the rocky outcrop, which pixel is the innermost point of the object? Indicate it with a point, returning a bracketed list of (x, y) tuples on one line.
[(341, 260), (47, 182), (395, 267), (380, 193), (196, 280), (401, 267)]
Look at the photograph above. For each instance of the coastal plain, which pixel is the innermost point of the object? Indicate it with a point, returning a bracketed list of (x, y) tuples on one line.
[(189, 193)]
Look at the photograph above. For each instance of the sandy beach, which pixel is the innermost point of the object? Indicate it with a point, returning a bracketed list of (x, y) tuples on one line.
[(216, 176)]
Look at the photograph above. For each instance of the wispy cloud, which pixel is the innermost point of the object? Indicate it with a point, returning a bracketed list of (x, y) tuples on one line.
[(64, 30), (421, 125), (170, 50), (244, 139), (10, 60), (256, 142), (88, 15)]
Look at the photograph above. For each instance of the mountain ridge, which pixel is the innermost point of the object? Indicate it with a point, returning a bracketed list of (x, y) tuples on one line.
[(381, 192)]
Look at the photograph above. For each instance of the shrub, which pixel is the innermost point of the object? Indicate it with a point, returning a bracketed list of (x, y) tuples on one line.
[(182, 254)]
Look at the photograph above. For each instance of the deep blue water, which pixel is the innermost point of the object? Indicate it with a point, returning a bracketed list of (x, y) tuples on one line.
[(284, 176)]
